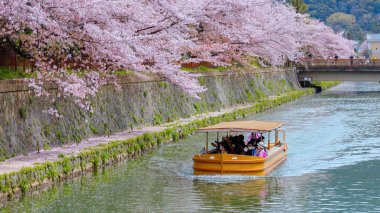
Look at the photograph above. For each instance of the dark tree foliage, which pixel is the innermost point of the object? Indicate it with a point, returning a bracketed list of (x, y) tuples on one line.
[(299, 5), (366, 12)]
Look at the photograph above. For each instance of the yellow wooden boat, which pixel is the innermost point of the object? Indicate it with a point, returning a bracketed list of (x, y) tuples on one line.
[(220, 162)]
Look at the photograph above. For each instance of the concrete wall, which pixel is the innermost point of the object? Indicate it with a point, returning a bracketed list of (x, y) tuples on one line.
[(373, 45), (25, 128)]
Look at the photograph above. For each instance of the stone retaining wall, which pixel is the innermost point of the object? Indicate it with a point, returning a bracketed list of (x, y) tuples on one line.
[(25, 128)]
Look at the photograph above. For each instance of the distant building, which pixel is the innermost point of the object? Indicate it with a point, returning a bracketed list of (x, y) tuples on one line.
[(373, 41)]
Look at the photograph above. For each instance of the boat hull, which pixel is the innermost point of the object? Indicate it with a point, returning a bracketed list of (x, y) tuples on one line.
[(223, 163)]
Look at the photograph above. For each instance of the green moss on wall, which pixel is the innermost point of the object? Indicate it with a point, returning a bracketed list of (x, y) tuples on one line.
[(93, 129), (259, 93), (157, 118), (23, 112)]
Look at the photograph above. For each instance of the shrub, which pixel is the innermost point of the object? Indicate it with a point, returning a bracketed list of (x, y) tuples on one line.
[(46, 146), (175, 136)]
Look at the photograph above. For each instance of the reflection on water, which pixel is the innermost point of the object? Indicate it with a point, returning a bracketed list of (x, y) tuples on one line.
[(332, 164), (224, 196)]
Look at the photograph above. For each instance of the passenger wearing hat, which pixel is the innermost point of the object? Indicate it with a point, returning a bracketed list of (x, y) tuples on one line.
[(261, 150)]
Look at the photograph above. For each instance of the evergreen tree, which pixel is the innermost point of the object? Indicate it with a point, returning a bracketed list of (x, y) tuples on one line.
[(299, 5)]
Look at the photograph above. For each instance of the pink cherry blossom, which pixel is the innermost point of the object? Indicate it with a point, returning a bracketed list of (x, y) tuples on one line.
[(77, 45)]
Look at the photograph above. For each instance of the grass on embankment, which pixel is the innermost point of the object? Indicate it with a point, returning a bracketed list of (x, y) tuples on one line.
[(7, 73), (326, 84), (206, 69), (10, 73)]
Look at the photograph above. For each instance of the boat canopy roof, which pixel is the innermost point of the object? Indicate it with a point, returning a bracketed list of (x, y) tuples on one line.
[(243, 126)]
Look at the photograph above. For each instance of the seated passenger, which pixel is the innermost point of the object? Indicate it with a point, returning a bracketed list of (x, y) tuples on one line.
[(239, 150), (241, 139), (253, 143), (243, 145), (217, 146), (213, 151), (259, 137), (237, 147), (248, 137), (227, 145), (250, 150), (254, 138), (246, 150), (261, 152)]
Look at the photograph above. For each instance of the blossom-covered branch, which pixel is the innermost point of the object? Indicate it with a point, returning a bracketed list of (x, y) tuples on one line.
[(77, 45)]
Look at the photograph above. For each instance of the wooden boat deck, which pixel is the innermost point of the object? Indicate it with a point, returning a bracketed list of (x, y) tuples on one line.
[(223, 163)]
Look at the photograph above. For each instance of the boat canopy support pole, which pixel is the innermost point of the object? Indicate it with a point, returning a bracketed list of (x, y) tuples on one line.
[(206, 142), (269, 140), (276, 138), (283, 135)]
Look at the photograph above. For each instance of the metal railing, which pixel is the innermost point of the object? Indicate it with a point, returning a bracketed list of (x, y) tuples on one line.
[(340, 62)]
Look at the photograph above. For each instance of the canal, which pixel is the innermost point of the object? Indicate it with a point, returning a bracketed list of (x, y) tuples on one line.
[(333, 165)]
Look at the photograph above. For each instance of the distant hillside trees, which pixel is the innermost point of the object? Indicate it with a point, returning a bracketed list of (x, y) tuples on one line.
[(343, 22), (366, 13)]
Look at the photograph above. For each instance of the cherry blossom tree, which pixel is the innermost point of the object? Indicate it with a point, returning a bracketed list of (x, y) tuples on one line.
[(265, 29), (363, 49), (78, 45)]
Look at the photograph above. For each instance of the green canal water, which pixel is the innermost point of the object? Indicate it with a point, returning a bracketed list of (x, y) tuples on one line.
[(333, 165)]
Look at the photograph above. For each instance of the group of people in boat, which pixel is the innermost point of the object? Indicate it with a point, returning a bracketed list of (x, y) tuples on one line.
[(251, 144)]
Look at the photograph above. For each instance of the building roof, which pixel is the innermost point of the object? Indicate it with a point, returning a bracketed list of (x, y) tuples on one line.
[(373, 37), (243, 126)]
